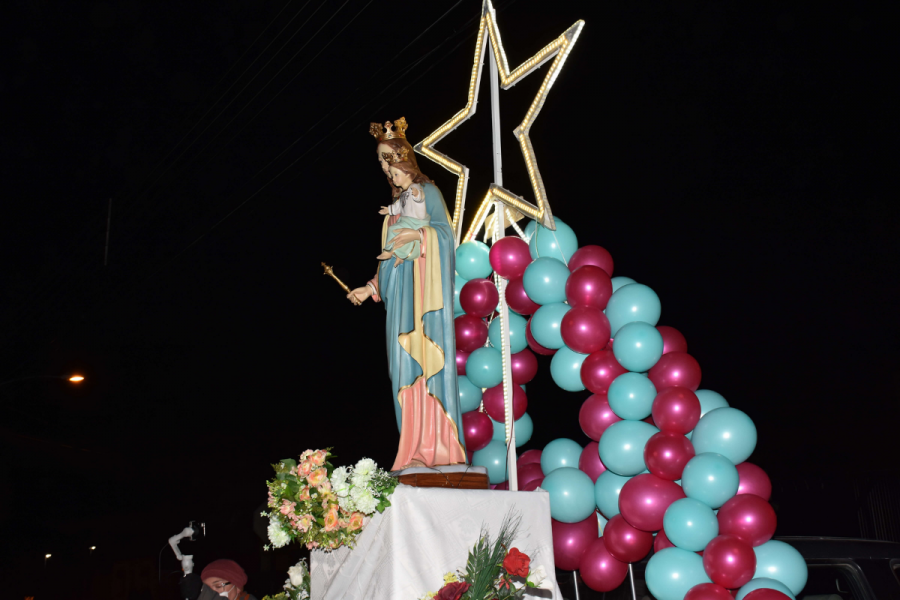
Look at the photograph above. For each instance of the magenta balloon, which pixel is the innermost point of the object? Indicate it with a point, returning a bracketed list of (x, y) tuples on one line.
[(661, 541), (502, 486), (529, 456), (644, 499), (595, 416), (676, 409), (767, 594), (625, 542), (517, 299), (729, 561), (493, 403), (532, 485), (524, 366), (589, 461), (533, 344), (747, 517), (588, 286), (585, 329), (528, 473), (477, 430), (708, 591), (509, 257), (673, 341), (592, 255), (666, 454), (461, 358), (753, 480), (570, 540), (471, 333), (599, 369), (676, 368), (599, 570), (479, 297)]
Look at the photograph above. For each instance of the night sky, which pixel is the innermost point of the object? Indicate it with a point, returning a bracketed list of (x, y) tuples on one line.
[(733, 156)]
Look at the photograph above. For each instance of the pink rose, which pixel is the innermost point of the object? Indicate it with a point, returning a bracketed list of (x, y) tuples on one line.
[(304, 494), (306, 454), (325, 486), (304, 468), (311, 545), (318, 458), (287, 507), (356, 521), (331, 520), (317, 477), (304, 523)]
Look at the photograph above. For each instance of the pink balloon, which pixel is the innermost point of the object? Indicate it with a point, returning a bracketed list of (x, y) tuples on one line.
[(493, 403), (529, 456), (585, 329), (570, 540), (753, 480), (595, 416), (676, 368), (479, 297), (592, 255), (747, 517), (524, 366), (599, 369), (766, 594), (599, 570), (589, 462), (666, 454), (625, 542), (477, 430), (509, 257), (676, 409), (525, 474), (532, 485), (533, 344), (729, 561), (644, 499), (517, 299), (461, 358), (708, 591), (588, 286), (502, 486), (673, 341), (471, 333), (661, 541)]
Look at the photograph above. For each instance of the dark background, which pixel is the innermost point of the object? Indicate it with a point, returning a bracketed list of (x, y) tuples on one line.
[(733, 156)]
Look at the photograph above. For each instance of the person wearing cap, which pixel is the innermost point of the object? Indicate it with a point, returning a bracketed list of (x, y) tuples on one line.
[(221, 578)]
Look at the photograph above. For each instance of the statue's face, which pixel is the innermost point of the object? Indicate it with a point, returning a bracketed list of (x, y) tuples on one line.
[(400, 179), (384, 165)]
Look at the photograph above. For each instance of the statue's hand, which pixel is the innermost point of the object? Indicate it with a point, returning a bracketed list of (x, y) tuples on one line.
[(404, 236), (359, 295)]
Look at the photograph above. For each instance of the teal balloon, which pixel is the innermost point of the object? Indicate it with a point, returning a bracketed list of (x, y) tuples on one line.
[(606, 493), (524, 428), (473, 260), (631, 396), (545, 325), (671, 572), (690, 524), (710, 478), (622, 446), (630, 303), (571, 494), (565, 369), (560, 244), (458, 283), (493, 458), (499, 431), (484, 367), (559, 454), (638, 346), (618, 282), (517, 339), (726, 431), (763, 583), (710, 400), (545, 280), (469, 394), (781, 562)]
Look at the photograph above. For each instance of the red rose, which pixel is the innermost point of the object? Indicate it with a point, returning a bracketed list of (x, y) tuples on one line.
[(516, 563), (452, 591)]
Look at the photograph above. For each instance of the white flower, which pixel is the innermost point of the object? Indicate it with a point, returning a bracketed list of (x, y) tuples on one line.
[(538, 578), (339, 476), (365, 467), (364, 500), (347, 503), (297, 573), (277, 535), (341, 489)]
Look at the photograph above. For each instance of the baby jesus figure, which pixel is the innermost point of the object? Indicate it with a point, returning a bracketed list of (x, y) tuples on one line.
[(411, 208)]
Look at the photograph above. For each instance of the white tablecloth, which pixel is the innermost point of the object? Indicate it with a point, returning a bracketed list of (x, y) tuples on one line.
[(404, 552)]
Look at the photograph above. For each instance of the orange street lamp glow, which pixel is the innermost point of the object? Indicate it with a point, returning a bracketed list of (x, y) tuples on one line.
[(76, 378)]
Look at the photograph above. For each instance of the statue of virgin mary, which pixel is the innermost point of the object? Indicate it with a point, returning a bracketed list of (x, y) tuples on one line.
[(418, 299)]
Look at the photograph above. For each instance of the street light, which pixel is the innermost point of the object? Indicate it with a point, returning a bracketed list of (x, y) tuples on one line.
[(46, 556), (71, 378), (76, 378)]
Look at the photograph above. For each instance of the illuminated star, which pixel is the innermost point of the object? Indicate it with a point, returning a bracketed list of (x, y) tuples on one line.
[(558, 50)]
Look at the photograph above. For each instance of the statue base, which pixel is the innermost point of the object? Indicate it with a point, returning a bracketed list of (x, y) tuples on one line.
[(463, 477)]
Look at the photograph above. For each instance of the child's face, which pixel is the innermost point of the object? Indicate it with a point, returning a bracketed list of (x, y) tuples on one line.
[(400, 179)]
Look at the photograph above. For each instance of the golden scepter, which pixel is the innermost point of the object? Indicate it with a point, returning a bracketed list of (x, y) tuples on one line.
[(329, 271)]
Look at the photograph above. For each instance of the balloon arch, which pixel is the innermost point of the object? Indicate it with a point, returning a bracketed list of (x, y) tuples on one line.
[(666, 470)]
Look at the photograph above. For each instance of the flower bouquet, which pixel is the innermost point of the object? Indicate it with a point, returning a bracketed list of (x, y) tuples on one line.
[(493, 572), (296, 587), (321, 506)]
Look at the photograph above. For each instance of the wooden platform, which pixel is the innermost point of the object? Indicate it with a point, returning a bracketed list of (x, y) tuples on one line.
[(463, 480)]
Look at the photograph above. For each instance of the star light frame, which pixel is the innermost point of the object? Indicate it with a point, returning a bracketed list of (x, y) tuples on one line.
[(558, 49)]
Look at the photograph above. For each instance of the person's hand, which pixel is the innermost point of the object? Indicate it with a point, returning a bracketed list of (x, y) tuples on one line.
[(359, 295), (404, 236), (384, 210)]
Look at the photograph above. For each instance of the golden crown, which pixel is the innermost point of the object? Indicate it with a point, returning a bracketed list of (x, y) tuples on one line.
[(395, 157), (388, 133)]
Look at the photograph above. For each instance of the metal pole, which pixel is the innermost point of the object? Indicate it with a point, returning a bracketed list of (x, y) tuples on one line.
[(631, 577), (575, 584), (108, 219)]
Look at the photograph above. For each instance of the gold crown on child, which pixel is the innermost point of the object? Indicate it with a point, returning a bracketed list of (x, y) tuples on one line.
[(388, 133), (395, 157)]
